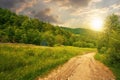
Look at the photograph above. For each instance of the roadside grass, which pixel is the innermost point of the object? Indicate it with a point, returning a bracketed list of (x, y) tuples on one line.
[(26, 61), (115, 67)]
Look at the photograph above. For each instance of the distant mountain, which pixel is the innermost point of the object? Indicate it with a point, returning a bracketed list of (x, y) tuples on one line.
[(78, 30)]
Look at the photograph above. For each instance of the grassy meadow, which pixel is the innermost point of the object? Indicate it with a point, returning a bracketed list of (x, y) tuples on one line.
[(26, 61)]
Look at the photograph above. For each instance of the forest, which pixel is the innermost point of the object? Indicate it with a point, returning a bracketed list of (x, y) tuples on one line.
[(22, 29)]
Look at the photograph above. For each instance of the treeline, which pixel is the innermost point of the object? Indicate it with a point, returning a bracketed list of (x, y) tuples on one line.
[(109, 42), (83, 37), (22, 29)]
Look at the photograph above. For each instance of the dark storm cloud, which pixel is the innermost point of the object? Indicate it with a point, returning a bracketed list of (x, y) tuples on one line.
[(36, 8), (10, 3), (45, 15), (17, 6)]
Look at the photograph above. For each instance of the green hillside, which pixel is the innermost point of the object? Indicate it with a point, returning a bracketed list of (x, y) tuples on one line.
[(77, 30), (22, 29)]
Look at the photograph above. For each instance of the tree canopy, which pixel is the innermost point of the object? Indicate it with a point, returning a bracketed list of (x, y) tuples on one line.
[(22, 29), (110, 40)]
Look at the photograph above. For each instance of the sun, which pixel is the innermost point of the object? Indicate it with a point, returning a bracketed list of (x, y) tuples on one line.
[(97, 24)]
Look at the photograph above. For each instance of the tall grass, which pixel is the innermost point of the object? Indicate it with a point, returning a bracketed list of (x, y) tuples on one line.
[(26, 62), (115, 67)]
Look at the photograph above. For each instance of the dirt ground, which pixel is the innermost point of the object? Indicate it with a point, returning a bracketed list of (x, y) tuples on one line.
[(81, 68)]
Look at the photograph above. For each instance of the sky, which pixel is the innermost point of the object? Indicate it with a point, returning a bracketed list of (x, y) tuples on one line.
[(67, 13)]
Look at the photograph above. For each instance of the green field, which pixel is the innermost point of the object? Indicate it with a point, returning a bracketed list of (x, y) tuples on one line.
[(26, 62)]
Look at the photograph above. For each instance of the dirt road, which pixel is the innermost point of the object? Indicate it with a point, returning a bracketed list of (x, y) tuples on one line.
[(81, 68)]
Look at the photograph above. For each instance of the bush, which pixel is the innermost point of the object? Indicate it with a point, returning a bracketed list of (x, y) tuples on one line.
[(90, 45), (102, 49), (83, 44), (113, 55)]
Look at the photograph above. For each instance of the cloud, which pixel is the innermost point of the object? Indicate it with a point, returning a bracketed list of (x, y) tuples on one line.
[(93, 2), (17, 5), (116, 6), (45, 15), (63, 12), (106, 3), (10, 4), (79, 3), (26, 5), (73, 3), (46, 1), (91, 10)]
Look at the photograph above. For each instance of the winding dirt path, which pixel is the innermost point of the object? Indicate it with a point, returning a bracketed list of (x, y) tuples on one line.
[(81, 68)]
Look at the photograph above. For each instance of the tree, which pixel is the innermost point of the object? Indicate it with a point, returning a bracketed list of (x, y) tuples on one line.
[(48, 39), (18, 35), (59, 39), (110, 39), (10, 32)]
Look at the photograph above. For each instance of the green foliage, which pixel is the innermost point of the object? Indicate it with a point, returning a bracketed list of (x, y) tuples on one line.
[(109, 44), (59, 39), (84, 37), (78, 30), (105, 58), (22, 29), (102, 49), (83, 44), (26, 62)]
